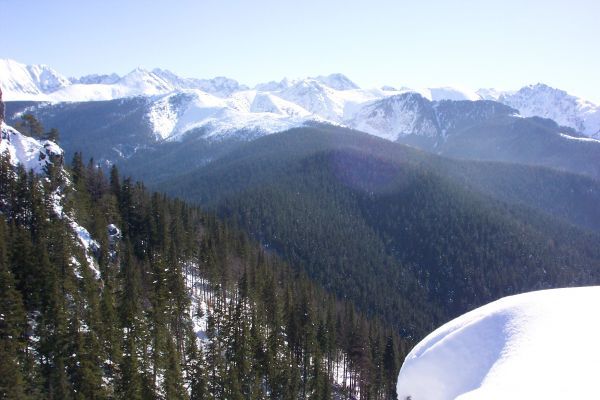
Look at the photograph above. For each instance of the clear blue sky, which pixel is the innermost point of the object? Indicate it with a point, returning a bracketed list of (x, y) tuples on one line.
[(500, 43)]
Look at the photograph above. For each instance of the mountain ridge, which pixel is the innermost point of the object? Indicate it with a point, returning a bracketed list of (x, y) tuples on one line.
[(334, 98)]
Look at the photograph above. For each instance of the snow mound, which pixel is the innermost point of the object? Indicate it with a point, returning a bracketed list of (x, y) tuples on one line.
[(537, 345)]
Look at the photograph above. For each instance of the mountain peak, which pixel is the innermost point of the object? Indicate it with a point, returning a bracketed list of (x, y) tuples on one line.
[(545, 101), (542, 87), (337, 81), (21, 81), (94, 79), (145, 82), (139, 69)]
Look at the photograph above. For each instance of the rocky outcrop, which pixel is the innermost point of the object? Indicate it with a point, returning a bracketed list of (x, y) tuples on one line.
[(33, 154)]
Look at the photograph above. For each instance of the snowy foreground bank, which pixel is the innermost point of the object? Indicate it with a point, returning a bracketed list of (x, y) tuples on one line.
[(538, 345)]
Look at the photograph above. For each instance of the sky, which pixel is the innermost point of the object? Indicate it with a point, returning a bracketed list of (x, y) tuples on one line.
[(504, 44)]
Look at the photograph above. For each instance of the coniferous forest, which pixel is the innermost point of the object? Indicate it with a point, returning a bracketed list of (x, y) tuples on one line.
[(410, 237), (165, 302)]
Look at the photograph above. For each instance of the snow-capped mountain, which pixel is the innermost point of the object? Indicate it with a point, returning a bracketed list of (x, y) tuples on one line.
[(221, 104), (41, 83), (547, 102), (108, 79), (173, 115), (219, 86), (29, 82), (507, 350), (397, 116), (274, 86), (337, 81), (412, 114)]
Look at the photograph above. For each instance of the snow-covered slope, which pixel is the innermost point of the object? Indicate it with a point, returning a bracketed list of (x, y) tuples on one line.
[(31, 153), (138, 82), (397, 116), (538, 345), (448, 93), (411, 113), (174, 115), (547, 102)]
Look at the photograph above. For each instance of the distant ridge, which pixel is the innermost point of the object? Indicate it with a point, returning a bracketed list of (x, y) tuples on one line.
[(330, 98)]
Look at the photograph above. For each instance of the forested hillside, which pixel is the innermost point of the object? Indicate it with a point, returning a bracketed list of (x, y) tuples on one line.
[(109, 291), (412, 238)]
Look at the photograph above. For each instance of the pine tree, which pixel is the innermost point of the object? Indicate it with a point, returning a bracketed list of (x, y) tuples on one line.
[(115, 181)]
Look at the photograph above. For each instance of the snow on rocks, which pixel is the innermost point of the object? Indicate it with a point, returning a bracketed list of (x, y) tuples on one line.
[(537, 345), (88, 245), (114, 233), (31, 153)]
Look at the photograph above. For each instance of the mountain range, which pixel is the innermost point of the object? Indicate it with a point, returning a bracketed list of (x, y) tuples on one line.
[(220, 105)]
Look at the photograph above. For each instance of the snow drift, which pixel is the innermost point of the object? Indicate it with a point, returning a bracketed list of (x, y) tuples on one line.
[(538, 345)]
